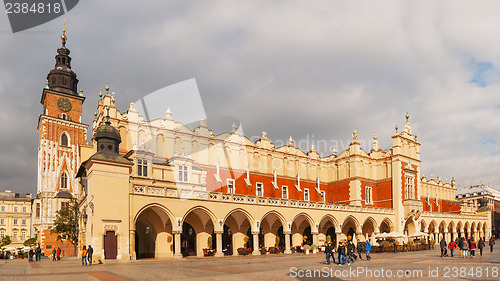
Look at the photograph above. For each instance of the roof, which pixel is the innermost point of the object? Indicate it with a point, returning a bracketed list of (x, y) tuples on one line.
[(64, 194)]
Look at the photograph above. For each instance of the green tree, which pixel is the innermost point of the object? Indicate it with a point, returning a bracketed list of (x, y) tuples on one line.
[(65, 223), (30, 242), (6, 240)]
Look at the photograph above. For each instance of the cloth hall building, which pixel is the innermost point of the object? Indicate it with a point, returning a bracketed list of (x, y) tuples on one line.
[(159, 189)]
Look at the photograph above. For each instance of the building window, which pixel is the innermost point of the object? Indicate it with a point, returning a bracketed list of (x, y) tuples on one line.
[(23, 221), (409, 187), (230, 186), (2, 233), (2, 221), (64, 180), (37, 210), (323, 197), (14, 234), (64, 117), (142, 168), (284, 193), (259, 190), (306, 194), (64, 205), (23, 234), (64, 81), (15, 209), (183, 174), (53, 81), (3, 208), (15, 221), (24, 209), (368, 195)]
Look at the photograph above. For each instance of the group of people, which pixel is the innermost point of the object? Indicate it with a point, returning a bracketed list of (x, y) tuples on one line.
[(346, 252), (56, 254), (465, 246), (87, 255), (35, 254)]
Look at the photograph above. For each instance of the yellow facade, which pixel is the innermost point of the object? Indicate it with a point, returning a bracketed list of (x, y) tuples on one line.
[(174, 192), (15, 216)]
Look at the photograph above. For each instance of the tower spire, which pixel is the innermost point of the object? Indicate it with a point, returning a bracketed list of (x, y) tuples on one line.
[(63, 36)]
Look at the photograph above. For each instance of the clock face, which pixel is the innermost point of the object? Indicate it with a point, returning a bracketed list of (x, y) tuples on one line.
[(64, 104)]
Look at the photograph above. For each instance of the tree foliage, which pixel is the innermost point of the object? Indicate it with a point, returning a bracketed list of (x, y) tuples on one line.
[(65, 223), (5, 241), (30, 242)]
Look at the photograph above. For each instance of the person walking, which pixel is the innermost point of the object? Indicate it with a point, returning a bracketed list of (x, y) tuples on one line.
[(443, 245), (368, 247), (54, 254), (90, 251), (350, 251), (31, 253), (452, 247), (465, 247), (332, 254), (58, 253), (328, 252), (491, 243), (472, 246), (359, 247), (480, 246), (84, 255), (339, 250)]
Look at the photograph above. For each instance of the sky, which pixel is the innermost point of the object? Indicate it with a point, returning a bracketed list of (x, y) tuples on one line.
[(313, 70)]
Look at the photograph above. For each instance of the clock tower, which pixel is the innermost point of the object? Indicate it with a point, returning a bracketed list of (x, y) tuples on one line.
[(60, 133)]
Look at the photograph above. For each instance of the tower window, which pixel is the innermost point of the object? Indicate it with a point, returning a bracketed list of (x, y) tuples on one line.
[(64, 116), (53, 81), (64, 139), (64, 180), (64, 81), (368, 195)]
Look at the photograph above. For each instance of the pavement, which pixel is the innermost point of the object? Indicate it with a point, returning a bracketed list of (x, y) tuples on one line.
[(420, 265)]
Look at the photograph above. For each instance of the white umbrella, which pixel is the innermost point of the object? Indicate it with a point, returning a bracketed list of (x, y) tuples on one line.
[(419, 234), (395, 234), (381, 235)]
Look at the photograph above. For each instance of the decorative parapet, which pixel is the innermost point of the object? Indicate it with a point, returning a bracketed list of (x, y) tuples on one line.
[(452, 216), (253, 200)]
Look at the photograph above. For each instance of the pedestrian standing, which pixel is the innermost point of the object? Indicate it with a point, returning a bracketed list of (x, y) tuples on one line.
[(350, 251), (472, 247), (368, 247), (466, 248), (443, 246), (84, 255), (480, 246), (90, 251), (492, 242), (461, 246), (54, 254), (332, 254), (452, 247), (328, 252), (339, 250), (58, 253), (359, 247), (38, 254), (30, 254)]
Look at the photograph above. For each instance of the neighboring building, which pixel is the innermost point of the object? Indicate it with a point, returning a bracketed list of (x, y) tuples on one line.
[(473, 194), (159, 189), (15, 210), (60, 133)]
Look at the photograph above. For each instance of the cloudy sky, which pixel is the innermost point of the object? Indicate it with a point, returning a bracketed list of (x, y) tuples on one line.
[(315, 70)]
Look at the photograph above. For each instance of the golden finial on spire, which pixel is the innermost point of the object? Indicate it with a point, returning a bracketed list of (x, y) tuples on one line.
[(63, 36), (407, 116)]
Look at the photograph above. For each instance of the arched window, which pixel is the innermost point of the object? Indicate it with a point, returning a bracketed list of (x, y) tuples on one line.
[(64, 81), (64, 181), (64, 116), (64, 140)]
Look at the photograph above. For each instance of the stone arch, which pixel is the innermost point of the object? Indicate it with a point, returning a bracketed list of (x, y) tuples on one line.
[(302, 229), (460, 229), (423, 225), (386, 225), (201, 223), (467, 230), (328, 226), (153, 225), (350, 227), (269, 226), (410, 226), (236, 225), (369, 227)]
